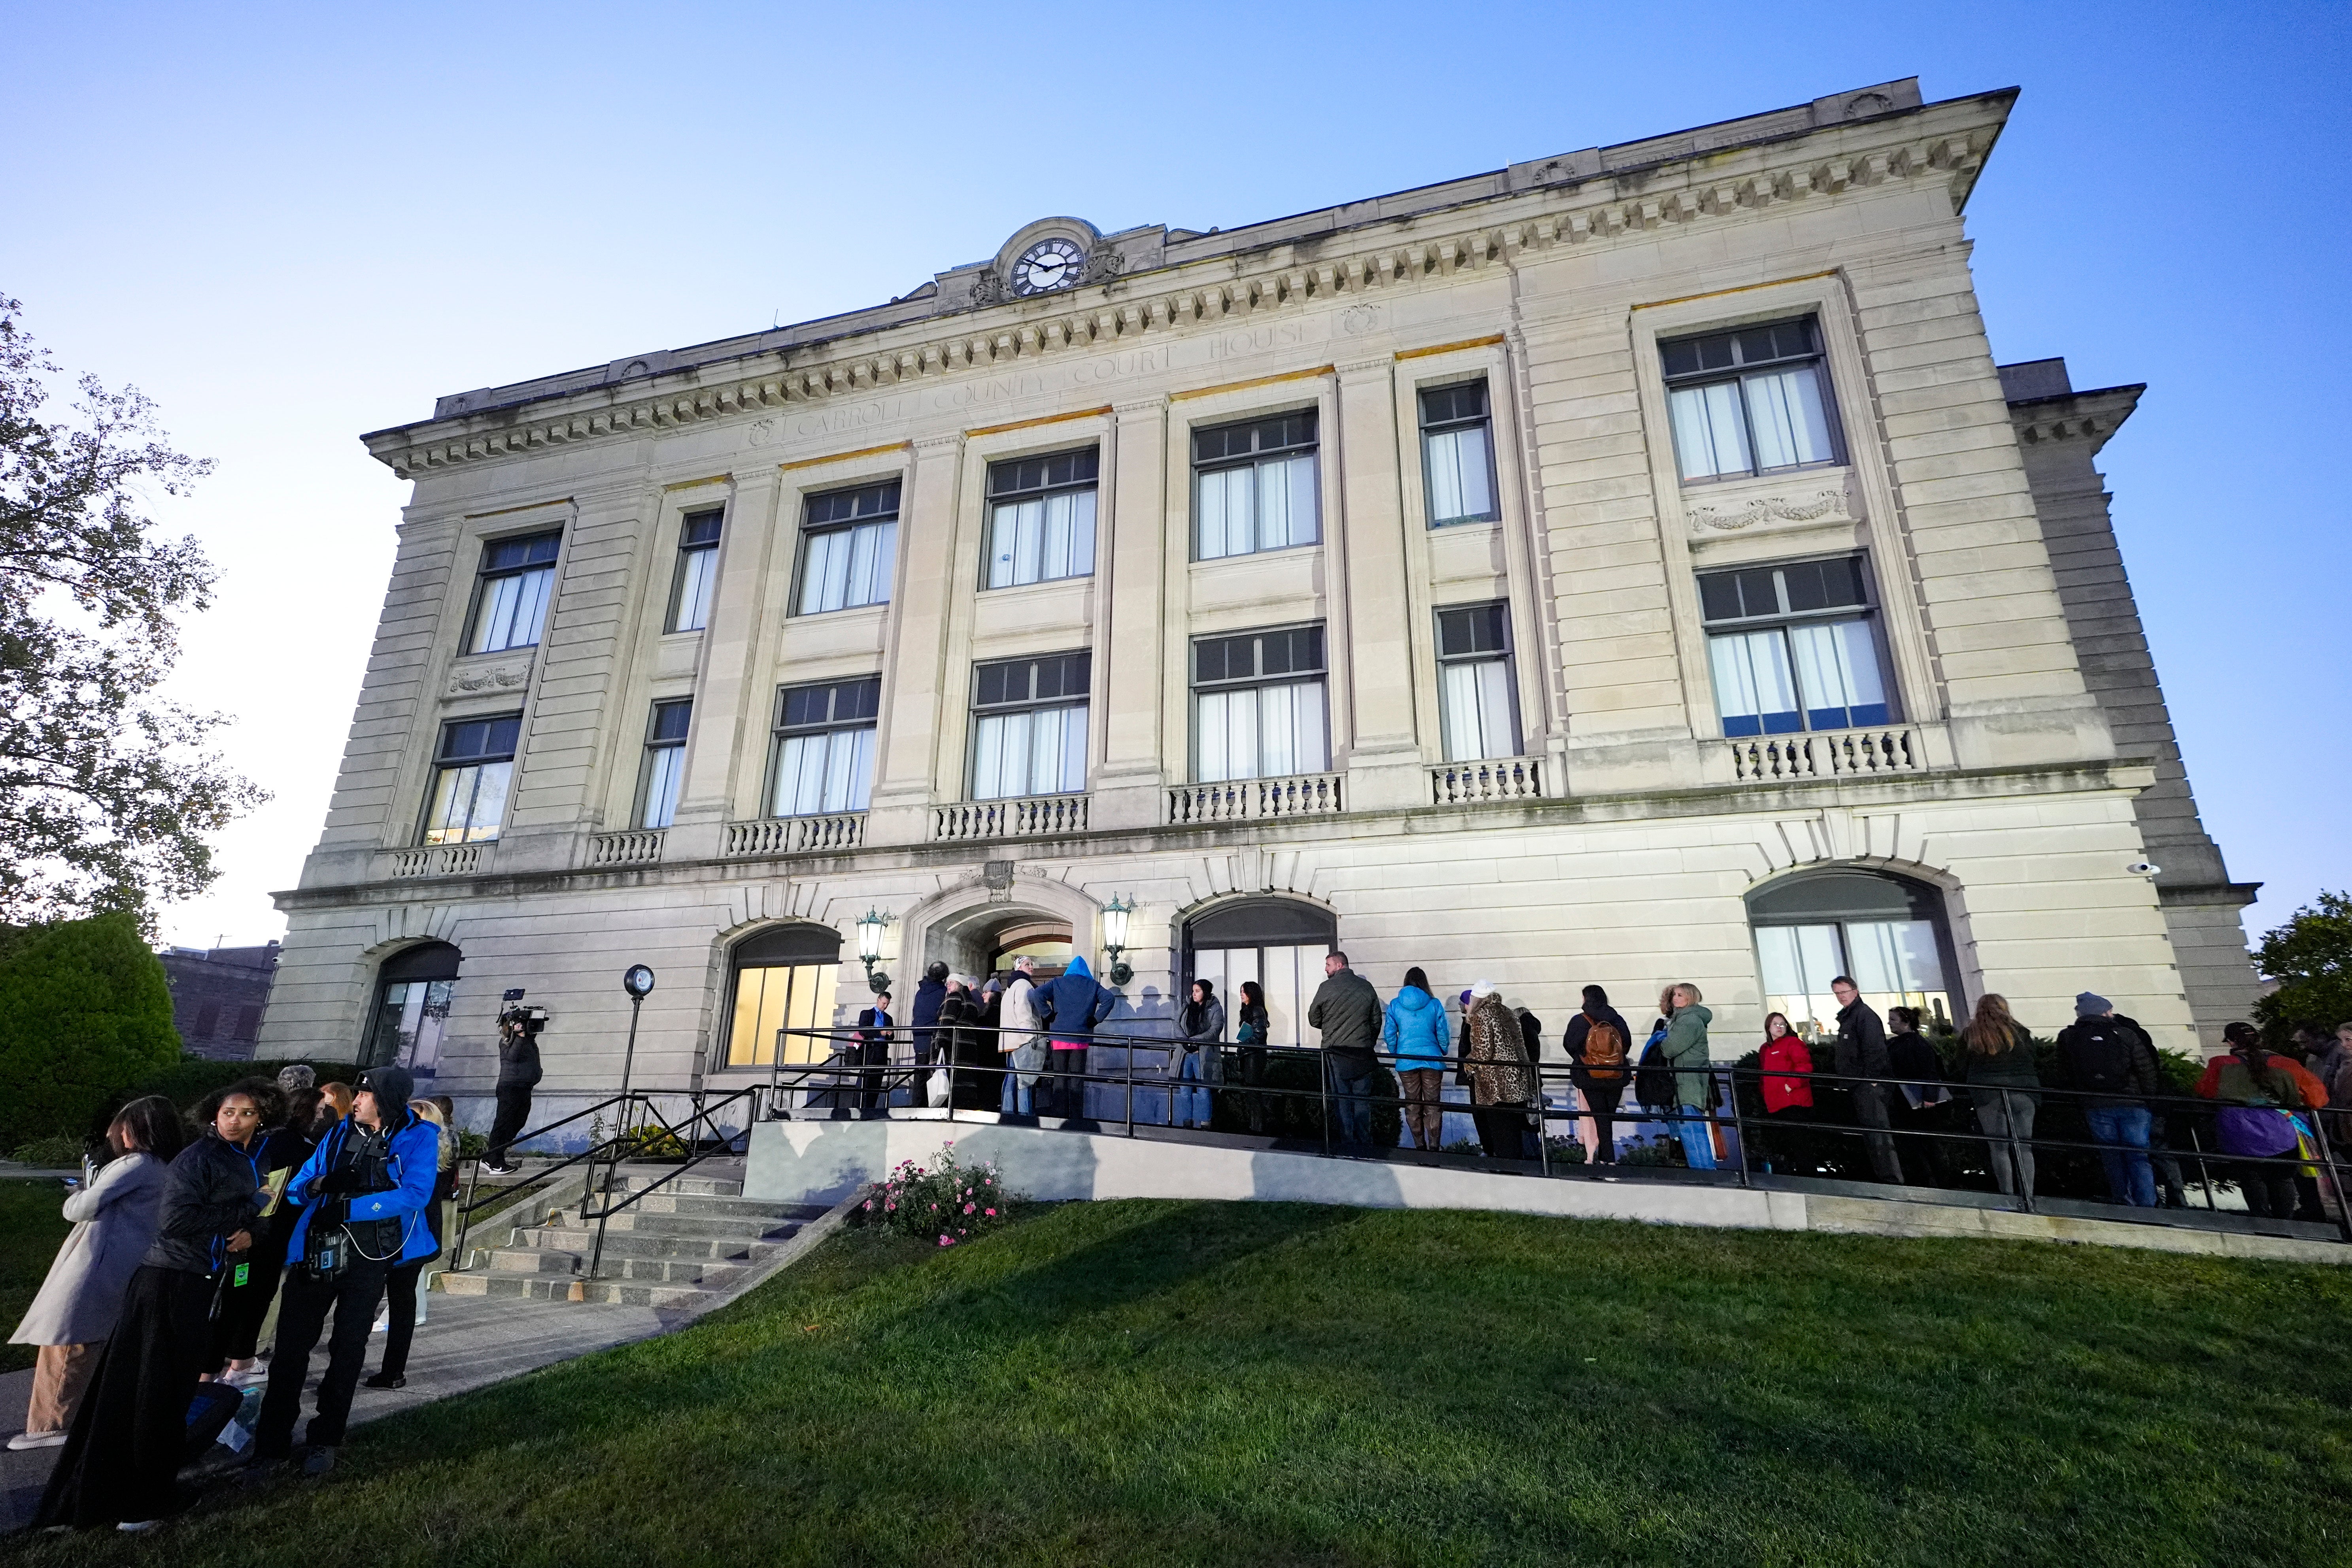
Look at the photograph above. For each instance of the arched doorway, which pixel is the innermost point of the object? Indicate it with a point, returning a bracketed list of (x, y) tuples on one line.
[(1889, 933), (986, 939), (783, 977), (1046, 943), (1278, 942), (414, 988)]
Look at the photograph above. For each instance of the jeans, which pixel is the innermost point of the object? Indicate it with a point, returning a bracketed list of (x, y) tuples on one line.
[(2122, 1130), (514, 1113), (1351, 1094), (352, 1297), (1699, 1137), (1016, 1099), (2000, 1114), (1191, 1105)]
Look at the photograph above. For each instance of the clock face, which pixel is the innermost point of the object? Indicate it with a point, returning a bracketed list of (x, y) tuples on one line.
[(1049, 264)]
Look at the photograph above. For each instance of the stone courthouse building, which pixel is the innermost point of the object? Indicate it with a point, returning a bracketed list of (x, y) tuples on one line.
[(1624, 566)]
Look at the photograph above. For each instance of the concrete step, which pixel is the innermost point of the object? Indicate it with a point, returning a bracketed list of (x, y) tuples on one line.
[(668, 1202), (645, 1244), (718, 1227), (557, 1288), (633, 1181)]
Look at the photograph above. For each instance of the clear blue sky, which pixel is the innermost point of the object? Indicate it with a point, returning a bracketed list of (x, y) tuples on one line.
[(291, 226)]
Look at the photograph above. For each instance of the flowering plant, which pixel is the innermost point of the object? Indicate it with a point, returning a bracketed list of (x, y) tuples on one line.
[(948, 1204)]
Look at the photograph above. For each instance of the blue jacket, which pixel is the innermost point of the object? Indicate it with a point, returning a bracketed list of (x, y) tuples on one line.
[(415, 1168), (1071, 1005), (1414, 1029)]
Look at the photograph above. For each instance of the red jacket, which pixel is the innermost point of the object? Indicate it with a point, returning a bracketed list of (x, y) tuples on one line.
[(1787, 1055)]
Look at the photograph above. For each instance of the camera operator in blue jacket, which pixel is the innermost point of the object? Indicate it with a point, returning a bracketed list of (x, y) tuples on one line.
[(363, 1194)]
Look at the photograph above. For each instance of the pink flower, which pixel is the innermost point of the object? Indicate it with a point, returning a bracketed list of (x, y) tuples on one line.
[(947, 1241), (967, 1209), (889, 1205), (869, 1206), (991, 1214)]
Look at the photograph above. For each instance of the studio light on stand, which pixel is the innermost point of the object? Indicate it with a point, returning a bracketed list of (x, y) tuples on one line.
[(1114, 926)]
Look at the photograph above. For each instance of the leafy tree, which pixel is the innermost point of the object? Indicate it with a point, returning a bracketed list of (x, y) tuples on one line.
[(2310, 958), (84, 1012), (105, 790)]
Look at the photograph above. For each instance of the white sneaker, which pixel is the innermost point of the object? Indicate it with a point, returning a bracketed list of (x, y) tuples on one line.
[(138, 1526), (24, 1440), (490, 1170), (383, 1325)]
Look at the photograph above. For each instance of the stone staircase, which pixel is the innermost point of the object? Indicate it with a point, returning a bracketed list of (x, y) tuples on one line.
[(693, 1243)]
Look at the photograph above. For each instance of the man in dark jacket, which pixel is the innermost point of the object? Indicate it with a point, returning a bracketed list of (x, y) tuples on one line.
[(1347, 1011), (875, 1028), (519, 1073), (1600, 1084), (924, 1012), (1070, 1006), (1861, 1053), (2101, 1055)]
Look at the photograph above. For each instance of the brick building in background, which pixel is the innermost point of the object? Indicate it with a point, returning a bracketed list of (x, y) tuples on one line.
[(218, 996)]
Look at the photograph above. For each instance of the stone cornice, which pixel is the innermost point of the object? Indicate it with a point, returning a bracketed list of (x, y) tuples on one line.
[(1943, 143), (2092, 416)]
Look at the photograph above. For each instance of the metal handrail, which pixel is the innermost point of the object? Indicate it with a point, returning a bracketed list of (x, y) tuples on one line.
[(854, 1076), (705, 1114), (473, 1178)]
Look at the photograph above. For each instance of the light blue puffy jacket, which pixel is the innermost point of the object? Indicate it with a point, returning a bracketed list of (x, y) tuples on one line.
[(1415, 1030)]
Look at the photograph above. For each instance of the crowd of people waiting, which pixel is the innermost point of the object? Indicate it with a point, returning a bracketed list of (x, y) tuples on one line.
[(194, 1244), (991, 1044)]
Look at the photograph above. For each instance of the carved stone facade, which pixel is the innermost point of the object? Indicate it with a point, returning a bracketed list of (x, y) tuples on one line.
[(1628, 839)]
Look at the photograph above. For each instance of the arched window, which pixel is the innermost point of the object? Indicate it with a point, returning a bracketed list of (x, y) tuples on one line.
[(412, 1008), (783, 977), (1279, 943), (1889, 933)]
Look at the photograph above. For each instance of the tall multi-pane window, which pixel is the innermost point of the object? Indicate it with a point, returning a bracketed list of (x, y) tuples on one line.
[(1458, 453), (824, 747), (698, 571), (1792, 647), (1029, 726), (471, 771), (785, 981), (664, 762), (1041, 518), (1258, 705), (1750, 402), (849, 540), (1253, 485), (510, 600), (1474, 682)]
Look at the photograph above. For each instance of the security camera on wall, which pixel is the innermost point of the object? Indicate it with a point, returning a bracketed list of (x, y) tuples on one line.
[(2143, 867)]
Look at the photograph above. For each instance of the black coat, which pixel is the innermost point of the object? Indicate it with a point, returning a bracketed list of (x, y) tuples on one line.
[(2108, 1058), (517, 1061), (1861, 1042), (924, 1012), (209, 1193)]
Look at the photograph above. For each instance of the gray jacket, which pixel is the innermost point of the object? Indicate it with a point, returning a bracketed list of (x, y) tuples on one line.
[(1346, 1010), (113, 1226)]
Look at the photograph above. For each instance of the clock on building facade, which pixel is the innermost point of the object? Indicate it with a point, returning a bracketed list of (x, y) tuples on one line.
[(1048, 265)]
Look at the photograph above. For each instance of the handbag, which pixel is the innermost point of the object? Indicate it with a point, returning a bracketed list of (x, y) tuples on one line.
[(938, 1090)]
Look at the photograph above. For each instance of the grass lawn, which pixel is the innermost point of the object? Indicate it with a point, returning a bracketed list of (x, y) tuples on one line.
[(1242, 1384), (30, 1229)]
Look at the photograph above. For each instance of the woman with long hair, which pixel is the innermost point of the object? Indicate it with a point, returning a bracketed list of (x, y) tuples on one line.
[(113, 1220), (1599, 1046), (1414, 1031), (121, 1459), (2004, 1085), (1202, 1028), (1250, 1027), (2256, 1120)]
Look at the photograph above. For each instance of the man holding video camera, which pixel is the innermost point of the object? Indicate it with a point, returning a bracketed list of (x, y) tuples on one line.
[(519, 1074), (364, 1191)]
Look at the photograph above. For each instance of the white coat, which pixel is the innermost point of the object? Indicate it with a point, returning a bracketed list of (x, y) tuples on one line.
[(115, 1221), (1017, 1023)]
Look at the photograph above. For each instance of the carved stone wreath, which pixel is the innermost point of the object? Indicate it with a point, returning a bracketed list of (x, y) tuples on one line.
[(1820, 506)]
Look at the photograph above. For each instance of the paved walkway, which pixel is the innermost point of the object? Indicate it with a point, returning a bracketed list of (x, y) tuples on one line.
[(464, 1343)]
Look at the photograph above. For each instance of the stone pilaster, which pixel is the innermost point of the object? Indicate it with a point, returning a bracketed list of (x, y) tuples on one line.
[(1127, 642), (914, 680), (1374, 636)]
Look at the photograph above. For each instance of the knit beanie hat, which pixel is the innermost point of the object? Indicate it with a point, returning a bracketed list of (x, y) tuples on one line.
[(2089, 1004)]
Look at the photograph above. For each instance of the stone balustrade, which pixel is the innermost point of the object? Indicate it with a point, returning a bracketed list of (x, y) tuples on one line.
[(437, 861), (1829, 753), (1493, 778), (1240, 800), (794, 835), (1035, 817), (639, 846)]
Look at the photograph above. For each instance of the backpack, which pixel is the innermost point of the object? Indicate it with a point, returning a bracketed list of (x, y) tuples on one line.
[(1604, 1053), (2102, 1059), (1654, 1080)]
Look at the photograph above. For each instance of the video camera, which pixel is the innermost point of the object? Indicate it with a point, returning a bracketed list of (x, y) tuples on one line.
[(519, 1019)]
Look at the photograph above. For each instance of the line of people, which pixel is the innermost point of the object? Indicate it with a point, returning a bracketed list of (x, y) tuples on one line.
[(287, 1203)]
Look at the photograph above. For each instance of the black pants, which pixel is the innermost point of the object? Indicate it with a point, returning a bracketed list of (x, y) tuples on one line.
[(1601, 1104), (2269, 1190), (130, 1432), (1870, 1111), (1070, 1092), (400, 1291), (875, 1054), (237, 1328), (352, 1297), (514, 1113), (1502, 1131)]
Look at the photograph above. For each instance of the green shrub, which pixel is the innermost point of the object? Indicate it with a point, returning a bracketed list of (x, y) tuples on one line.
[(84, 1013), (946, 1204), (1298, 1113), (54, 1153)]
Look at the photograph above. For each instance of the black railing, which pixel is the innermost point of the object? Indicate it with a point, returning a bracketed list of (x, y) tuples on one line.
[(837, 1078), (640, 1126)]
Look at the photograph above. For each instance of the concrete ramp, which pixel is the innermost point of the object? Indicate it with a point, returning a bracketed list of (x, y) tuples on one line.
[(823, 1162)]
